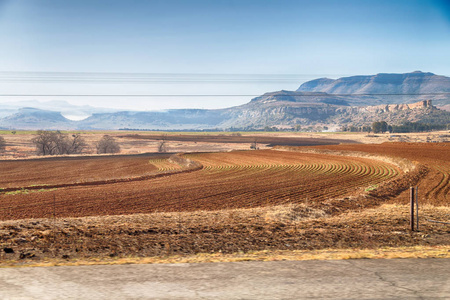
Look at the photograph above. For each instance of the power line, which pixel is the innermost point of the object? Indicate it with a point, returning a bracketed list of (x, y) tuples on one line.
[(164, 78), (168, 74), (310, 94), (148, 76)]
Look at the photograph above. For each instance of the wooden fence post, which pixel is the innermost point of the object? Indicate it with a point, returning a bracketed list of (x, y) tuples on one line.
[(417, 208), (412, 198)]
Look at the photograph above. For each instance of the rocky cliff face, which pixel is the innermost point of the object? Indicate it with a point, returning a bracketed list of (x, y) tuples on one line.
[(270, 115), (282, 113), (398, 107), (395, 114)]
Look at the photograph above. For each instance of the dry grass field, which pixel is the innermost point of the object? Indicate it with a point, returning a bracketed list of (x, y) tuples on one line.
[(348, 196)]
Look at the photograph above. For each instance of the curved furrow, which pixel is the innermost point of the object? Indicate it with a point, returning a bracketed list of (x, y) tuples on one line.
[(227, 180), (442, 186)]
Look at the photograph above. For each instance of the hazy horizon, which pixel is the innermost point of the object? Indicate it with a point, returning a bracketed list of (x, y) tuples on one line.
[(208, 91), (201, 47)]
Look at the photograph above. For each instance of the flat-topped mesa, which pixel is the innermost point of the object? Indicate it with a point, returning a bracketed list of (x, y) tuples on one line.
[(421, 104), (397, 107)]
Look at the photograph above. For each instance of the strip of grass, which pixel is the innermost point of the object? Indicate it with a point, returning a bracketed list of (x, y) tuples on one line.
[(10, 132), (372, 187), (26, 191), (267, 255)]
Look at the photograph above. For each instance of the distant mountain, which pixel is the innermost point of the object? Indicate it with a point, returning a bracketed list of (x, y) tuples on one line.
[(73, 112), (391, 88), (289, 114), (6, 111), (174, 119), (256, 114), (301, 97), (266, 112), (313, 98), (32, 118), (356, 100)]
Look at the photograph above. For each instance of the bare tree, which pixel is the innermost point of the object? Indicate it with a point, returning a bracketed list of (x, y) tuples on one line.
[(56, 143), (45, 142), (75, 145), (2, 144), (162, 147), (107, 144)]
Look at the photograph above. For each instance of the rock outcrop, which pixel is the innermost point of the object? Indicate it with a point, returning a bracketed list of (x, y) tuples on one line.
[(397, 107)]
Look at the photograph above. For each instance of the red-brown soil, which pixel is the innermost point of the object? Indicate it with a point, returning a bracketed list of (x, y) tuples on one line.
[(58, 170), (241, 139), (241, 179), (434, 186), (328, 201)]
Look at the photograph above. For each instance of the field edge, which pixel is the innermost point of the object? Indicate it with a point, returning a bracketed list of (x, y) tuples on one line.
[(418, 252)]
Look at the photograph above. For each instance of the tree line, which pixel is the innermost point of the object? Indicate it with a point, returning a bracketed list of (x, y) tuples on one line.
[(383, 126), (418, 127), (58, 143)]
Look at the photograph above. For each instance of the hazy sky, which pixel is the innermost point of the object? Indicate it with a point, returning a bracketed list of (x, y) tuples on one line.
[(169, 47)]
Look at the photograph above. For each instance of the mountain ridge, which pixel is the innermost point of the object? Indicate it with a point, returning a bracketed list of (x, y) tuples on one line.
[(71, 111), (391, 87), (314, 105)]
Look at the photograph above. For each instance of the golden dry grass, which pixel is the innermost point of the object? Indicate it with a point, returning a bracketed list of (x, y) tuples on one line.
[(266, 255), (293, 212), (289, 232)]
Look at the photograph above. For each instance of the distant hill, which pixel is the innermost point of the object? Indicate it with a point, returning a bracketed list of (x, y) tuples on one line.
[(391, 88), (356, 100), (253, 115), (70, 111), (174, 119), (32, 118), (266, 112), (288, 114)]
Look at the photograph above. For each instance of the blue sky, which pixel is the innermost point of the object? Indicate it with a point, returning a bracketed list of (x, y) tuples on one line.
[(288, 41)]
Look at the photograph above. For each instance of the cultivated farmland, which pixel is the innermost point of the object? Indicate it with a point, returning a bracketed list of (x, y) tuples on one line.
[(69, 170), (288, 198), (240, 179), (434, 158)]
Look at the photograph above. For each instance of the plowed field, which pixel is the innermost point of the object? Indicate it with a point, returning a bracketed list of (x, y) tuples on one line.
[(270, 140), (66, 170), (300, 201), (227, 180), (434, 187)]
